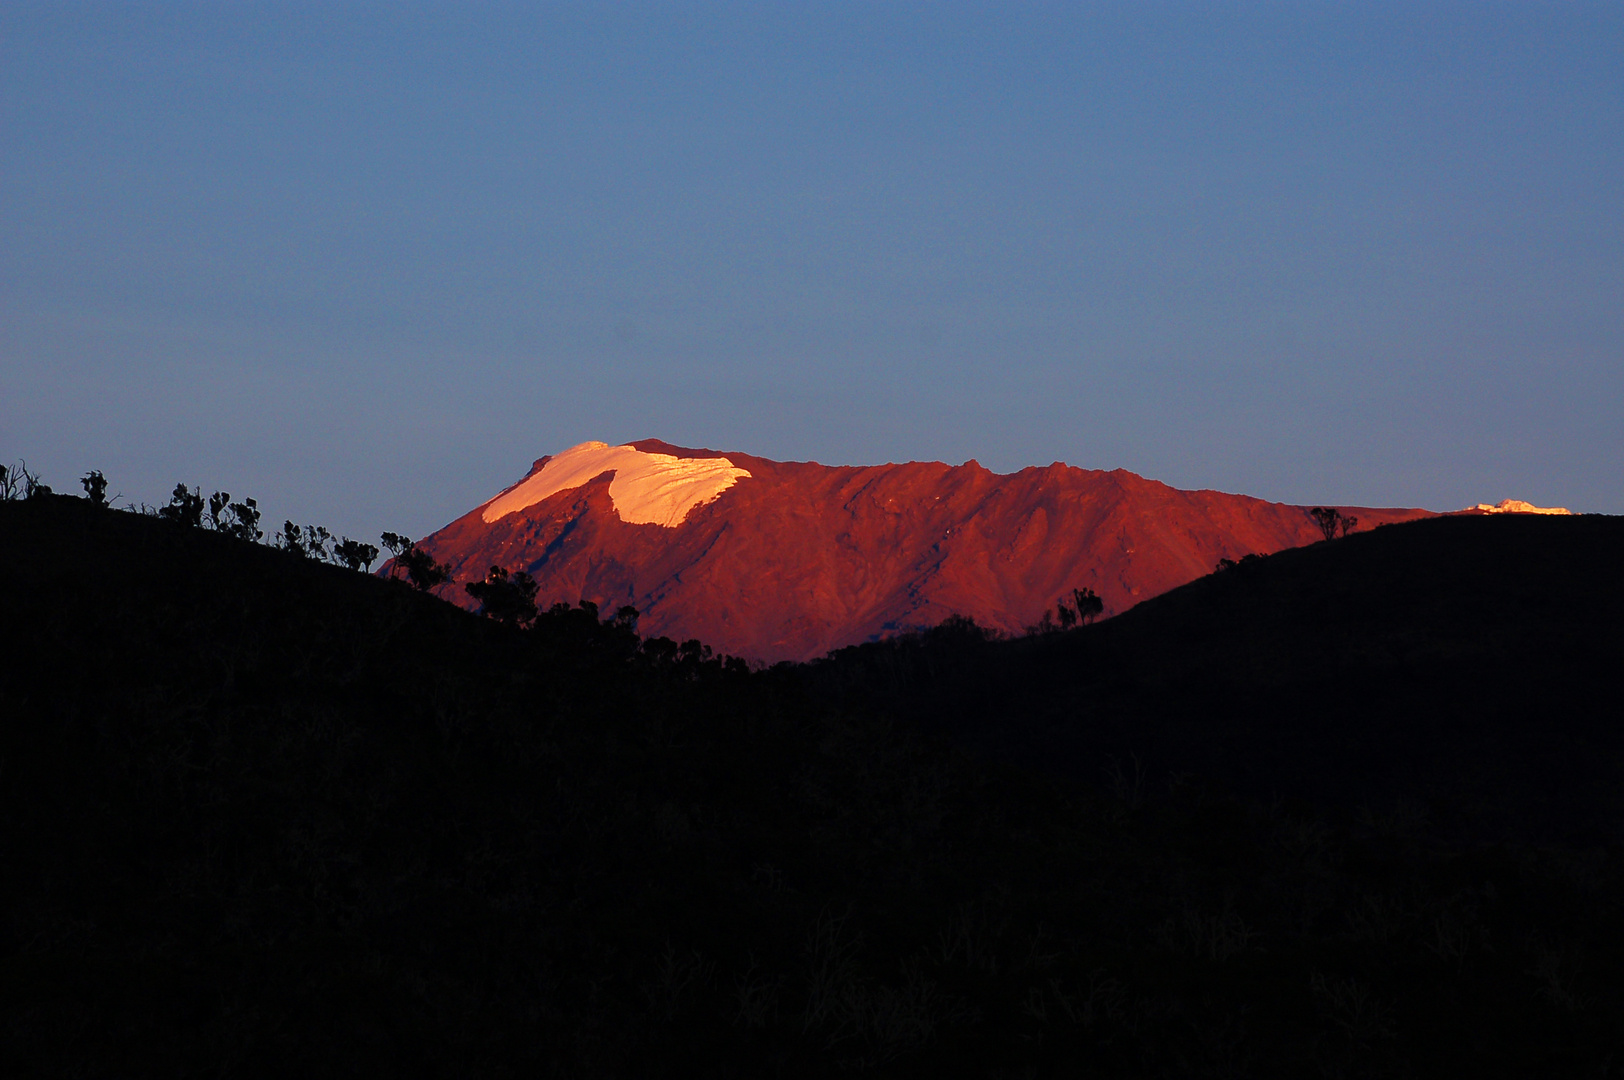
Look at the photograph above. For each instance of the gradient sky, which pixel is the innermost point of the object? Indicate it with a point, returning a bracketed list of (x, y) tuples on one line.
[(367, 262)]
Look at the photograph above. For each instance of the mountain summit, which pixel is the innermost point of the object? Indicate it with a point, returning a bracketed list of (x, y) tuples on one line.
[(788, 560)]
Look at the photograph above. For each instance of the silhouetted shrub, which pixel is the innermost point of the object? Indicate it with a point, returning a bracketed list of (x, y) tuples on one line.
[(507, 598), (960, 629), (660, 650), (218, 506), (95, 485), (1084, 608), (309, 542), (354, 554), (185, 507), (291, 539), (312, 541), (239, 520), (626, 618), (18, 482), (1045, 624), (421, 570)]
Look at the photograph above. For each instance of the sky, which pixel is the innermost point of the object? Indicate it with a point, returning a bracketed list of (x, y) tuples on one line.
[(367, 262)]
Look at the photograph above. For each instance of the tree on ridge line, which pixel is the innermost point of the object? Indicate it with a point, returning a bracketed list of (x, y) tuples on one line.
[(1332, 522), (421, 570)]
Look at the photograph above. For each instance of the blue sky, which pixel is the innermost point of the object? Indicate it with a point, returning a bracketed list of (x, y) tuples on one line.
[(367, 262)]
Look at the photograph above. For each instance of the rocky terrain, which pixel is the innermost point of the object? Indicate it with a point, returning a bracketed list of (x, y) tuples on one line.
[(796, 558)]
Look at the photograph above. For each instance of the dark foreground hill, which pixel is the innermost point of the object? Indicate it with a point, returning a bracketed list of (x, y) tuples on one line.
[(1468, 667), (266, 817)]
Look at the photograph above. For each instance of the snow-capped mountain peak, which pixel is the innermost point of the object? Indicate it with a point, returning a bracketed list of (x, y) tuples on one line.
[(648, 489), (1517, 506)]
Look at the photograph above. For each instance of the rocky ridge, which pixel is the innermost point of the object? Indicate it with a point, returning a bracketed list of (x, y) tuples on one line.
[(789, 560)]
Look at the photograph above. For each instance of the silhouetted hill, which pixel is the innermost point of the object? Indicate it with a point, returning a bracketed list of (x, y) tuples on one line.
[(261, 816), (1466, 666)]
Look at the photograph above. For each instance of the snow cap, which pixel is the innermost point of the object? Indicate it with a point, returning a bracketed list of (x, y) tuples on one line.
[(648, 489)]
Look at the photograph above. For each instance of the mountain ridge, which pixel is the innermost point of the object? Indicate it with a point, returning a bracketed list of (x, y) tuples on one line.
[(798, 558)]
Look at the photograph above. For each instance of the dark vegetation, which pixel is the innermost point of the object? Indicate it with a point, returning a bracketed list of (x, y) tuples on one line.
[(1333, 522), (1350, 810), (419, 566)]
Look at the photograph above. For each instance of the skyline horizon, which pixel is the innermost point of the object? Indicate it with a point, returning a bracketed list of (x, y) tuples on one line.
[(359, 260), (64, 485)]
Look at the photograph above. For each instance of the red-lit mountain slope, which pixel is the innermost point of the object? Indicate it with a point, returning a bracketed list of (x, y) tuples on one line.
[(799, 558)]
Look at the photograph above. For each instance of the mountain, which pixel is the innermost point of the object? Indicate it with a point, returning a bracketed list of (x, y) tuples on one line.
[(788, 560)]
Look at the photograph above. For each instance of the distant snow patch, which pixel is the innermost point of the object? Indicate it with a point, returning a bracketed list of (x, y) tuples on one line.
[(648, 489), (1517, 506)]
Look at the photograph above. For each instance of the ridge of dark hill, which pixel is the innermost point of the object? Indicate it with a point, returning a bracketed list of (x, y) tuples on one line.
[(260, 816), (800, 558), (1465, 665)]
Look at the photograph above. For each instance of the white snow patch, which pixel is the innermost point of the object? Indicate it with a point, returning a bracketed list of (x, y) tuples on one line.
[(648, 489), (1517, 506)]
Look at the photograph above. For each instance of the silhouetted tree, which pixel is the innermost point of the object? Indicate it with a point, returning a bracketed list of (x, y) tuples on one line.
[(95, 485), (318, 542), (958, 628), (421, 569), (1330, 521), (692, 655), (1082, 609), (660, 650), (1089, 605), (354, 555), (507, 598), (18, 481), (239, 520), (291, 538), (247, 520), (185, 507), (1045, 624), (310, 542)]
